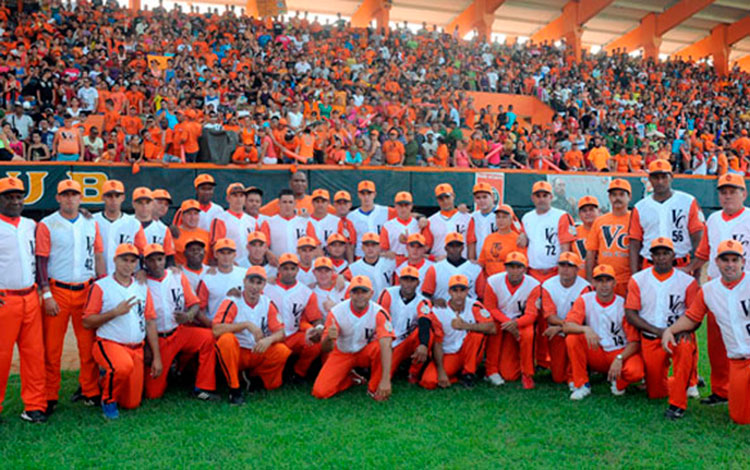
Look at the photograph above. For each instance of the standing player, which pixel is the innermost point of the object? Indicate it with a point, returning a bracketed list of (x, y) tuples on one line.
[(482, 222), (437, 279), (253, 201), (162, 201), (359, 334), (665, 213), (608, 241), (378, 269), (326, 287), (69, 258), (728, 298), (204, 193), (215, 284), (153, 228), (195, 252), (306, 250), (189, 230), (285, 228), (588, 211), (369, 217), (120, 311), (336, 247), (257, 254), (20, 312), (325, 223), (233, 223), (176, 306), (732, 222), (599, 337), (415, 256), (298, 189), (342, 202), (396, 232), (459, 328), (448, 220), (250, 337), (115, 226), (500, 243), (657, 297)]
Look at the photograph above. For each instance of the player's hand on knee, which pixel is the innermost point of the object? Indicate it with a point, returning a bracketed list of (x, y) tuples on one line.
[(156, 367), (592, 338), (420, 354), (667, 340)]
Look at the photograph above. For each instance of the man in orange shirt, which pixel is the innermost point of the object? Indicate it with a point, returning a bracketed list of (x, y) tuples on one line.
[(588, 211), (189, 230), (302, 201), (498, 244), (131, 123), (574, 159), (599, 156), (393, 149)]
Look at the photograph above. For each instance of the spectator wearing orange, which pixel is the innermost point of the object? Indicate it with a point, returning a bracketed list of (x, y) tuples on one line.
[(599, 156), (498, 244), (393, 150)]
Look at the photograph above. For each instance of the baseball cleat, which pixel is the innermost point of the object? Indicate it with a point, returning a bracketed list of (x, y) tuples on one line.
[(692, 392), (713, 400), (495, 379), (580, 393), (35, 416), (674, 413), (616, 391)]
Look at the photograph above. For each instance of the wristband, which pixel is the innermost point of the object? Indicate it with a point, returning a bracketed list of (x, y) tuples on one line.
[(47, 295)]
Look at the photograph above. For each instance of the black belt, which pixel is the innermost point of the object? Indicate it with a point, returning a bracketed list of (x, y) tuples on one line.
[(26, 291), (167, 334), (648, 335), (73, 287)]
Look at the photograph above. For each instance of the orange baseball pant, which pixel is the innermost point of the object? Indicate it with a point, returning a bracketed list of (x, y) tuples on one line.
[(656, 365), (559, 363), (21, 320), (717, 357), (404, 351), (739, 390), (334, 376), (190, 340), (541, 345), (306, 353), (71, 305), (123, 372), (464, 361), (269, 366), (509, 356), (582, 357)]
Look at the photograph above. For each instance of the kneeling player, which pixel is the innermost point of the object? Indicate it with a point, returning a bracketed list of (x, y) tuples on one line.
[(250, 336), (122, 313), (352, 328), (599, 337), (460, 330)]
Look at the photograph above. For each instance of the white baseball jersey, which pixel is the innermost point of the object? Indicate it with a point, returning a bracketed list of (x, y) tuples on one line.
[(391, 233), (662, 302), (156, 232), (422, 267), (71, 247), (731, 307), (17, 254), (544, 241), (365, 222), (403, 315), (453, 339), (131, 327), (438, 275), (114, 232), (480, 227), (218, 284), (236, 227), (194, 277), (563, 297), (356, 332), (291, 302), (606, 320), (441, 225), (325, 227), (257, 315), (284, 233), (271, 271), (381, 273), (306, 275), (670, 219), (341, 265), (169, 296), (719, 228), (333, 295), (208, 215), (511, 301)]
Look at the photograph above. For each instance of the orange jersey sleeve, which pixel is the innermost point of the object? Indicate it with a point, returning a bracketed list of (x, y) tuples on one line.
[(428, 237), (490, 300), (140, 239), (471, 235), (698, 308), (150, 312), (577, 313), (383, 327), (168, 243), (385, 301), (202, 295), (633, 300), (636, 231), (385, 243), (226, 313), (98, 243), (703, 251), (190, 297), (218, 230), (312, 311), (547, 306), (43, 241), (93, 302), (428, 284), (274, 321), (695, 218), (476, 310), (563, 229)]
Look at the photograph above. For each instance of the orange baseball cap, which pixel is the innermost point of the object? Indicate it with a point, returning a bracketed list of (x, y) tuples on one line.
[(604, 270), (11, 184), (370, 237), (504, 208), (190, 204), (360, 282), (235, 188), (161, 194), (126, 249), (142, 193), (321, 194), (403, 197), (458, 280), (570, 257), (366, 185), (416, 238), (256, 271), (661, 242), (454, 237), (541, 186), (409, 271), (482, 188), (336, 238), (224, 244), (731, 179), (443, 188), (192, 240), (728, 247), (342, 195), (306, 241), (323, 262), (516, 257), (619, 183), (256, 236), (659, 166), (288, 258), (203, 178), (587, 201), (153, 248), (113, 186), (69, 185)]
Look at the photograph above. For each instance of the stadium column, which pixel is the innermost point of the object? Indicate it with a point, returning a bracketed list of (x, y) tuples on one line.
[(717, 44), (479, 15), (378, 10)]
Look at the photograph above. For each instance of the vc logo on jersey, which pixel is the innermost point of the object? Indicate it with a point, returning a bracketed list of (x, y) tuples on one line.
[(618, 237), (678, 218), (676, 303)]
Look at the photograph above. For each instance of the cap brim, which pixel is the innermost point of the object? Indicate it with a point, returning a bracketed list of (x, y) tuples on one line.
[(730, 252)]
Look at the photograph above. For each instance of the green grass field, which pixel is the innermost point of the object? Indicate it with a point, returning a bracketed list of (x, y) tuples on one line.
[(480, 428)]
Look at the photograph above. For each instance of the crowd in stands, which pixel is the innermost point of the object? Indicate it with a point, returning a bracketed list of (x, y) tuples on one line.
[(94, 82)]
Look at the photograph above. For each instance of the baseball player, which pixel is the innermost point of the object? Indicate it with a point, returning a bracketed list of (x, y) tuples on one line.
[(328, 289), (728, 298), (162, 201), (233, 223), (510, 351), (306, 251), (20, 312), (482, 222), (324, 223), (436, 280), (358, 333), (599, 337), (588, 212), (285, 228), (253, 202), (732, 222), (497, 245), (409, 312), (204, 192), (336, 247), (154, 229), (369, 217), (195, 253), (657, 297), (115, 226), (416, 246), (176, 307), (298, 307), (342, 202), (120, 311), (250, 337), (378, 269), (395, 232), (69, 257), (189, 230), (215, 284), (444, 222), (257, 254), (459, 329)]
